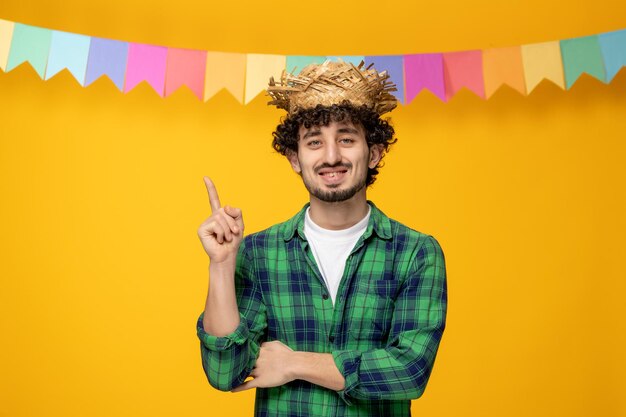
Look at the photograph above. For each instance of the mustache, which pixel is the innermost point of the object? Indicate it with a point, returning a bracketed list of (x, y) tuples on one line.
[(346, 165)]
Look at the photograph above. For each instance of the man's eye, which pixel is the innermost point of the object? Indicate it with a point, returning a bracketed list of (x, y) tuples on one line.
[(346, 140), (314, 143)]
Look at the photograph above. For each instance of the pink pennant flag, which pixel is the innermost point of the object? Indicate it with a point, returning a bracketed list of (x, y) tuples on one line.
[(185, 67), (463, 69), (146, 63), (424, 71)]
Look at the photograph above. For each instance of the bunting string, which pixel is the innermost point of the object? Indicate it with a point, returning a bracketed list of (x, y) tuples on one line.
[(166, 69)]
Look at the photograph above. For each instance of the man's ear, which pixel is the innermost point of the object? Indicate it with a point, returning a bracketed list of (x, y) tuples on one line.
[(376, 154), (292, 156)]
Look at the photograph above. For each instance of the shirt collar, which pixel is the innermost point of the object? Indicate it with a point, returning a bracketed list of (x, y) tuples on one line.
[(378, 223)]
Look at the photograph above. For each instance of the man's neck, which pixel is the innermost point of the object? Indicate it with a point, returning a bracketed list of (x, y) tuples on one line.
[(341, 215)]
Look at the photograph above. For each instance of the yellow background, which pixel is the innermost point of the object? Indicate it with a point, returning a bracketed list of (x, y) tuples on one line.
[(102, 275)]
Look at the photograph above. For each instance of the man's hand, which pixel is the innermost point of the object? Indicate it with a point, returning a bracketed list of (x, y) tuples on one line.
[(221, 235), (272, 367), (222, 232)]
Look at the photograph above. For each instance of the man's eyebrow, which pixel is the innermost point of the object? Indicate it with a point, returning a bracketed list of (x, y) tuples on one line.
[(317, 132), (348, 130), (312, 132)]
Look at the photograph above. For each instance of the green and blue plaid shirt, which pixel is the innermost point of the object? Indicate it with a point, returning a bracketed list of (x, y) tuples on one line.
[(383, 331)]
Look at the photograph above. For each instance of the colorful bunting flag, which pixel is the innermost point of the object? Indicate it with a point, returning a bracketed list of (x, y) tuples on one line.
[(6, 34), (30, 44), (463, 69), (613, 46), (542, 61), (185, 67), (259, 68), (582, 55), (71, 51), (424, 71), (503, 66), (246, 75), (394, 65), (107, 57), (225, 70), (146, 63)]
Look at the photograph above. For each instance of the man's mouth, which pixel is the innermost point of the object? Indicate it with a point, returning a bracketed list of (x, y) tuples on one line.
[(332, 175)]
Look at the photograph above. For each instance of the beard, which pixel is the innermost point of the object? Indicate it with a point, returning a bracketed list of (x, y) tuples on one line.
[(334, 196)]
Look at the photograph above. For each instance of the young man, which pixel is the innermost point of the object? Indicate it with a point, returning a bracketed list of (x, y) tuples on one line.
[(338, 311)]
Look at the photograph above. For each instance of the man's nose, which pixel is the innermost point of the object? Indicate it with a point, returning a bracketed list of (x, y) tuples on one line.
[(332, 155)]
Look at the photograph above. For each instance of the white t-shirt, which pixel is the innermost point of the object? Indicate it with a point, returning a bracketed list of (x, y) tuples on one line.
[(332, 247)]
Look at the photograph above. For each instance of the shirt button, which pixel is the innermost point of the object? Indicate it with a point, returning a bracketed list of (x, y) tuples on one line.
[(331, 339), (325, 296)]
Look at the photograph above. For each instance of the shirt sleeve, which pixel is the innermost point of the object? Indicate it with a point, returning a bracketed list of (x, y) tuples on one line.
[(228, 360), (401, 370)]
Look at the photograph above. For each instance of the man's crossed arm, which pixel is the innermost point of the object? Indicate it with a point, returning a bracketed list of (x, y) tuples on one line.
[(277, 364)]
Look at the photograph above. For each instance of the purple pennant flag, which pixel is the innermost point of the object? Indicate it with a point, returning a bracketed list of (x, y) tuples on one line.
[(424, 71), (394, 66), (107, 57)]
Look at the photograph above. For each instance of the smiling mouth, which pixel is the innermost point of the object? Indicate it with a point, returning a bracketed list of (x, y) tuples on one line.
[(333, 174)]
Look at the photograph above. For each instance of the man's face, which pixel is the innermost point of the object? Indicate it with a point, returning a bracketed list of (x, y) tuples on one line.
[(333, 160)]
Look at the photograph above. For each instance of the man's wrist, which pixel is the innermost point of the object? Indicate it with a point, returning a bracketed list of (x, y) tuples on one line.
[(295, 364), (224, 267), (318, 368)]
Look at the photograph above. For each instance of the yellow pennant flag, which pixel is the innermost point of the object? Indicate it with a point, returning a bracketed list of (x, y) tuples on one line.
[(542, 60), (224, 70), (259, 69), (6, 34), (503, 66)]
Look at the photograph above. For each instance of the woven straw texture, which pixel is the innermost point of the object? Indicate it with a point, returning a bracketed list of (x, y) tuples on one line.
[(332, 83)]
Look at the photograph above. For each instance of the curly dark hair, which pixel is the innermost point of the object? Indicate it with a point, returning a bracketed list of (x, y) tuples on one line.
[(377, 130)]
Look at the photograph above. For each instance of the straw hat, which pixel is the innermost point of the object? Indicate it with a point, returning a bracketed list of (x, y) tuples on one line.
[(332, 83)]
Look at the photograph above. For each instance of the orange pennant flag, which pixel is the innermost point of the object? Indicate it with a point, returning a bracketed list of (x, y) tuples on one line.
[(225, 70), (503, 66)]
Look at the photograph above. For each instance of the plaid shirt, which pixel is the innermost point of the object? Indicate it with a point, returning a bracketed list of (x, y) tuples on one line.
[(383, 332)]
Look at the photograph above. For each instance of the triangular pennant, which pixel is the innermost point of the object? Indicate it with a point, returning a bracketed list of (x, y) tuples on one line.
[(146, 63), (185, 67), (582, 55), (259, 69), (107, 57), (424, 71), (463, 69), (503, 66), (71, 51), (225, 70), (30, 44), (613, 46), (542, 61)]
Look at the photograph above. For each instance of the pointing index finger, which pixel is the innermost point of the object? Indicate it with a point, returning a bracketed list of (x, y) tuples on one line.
[(213, 197)]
